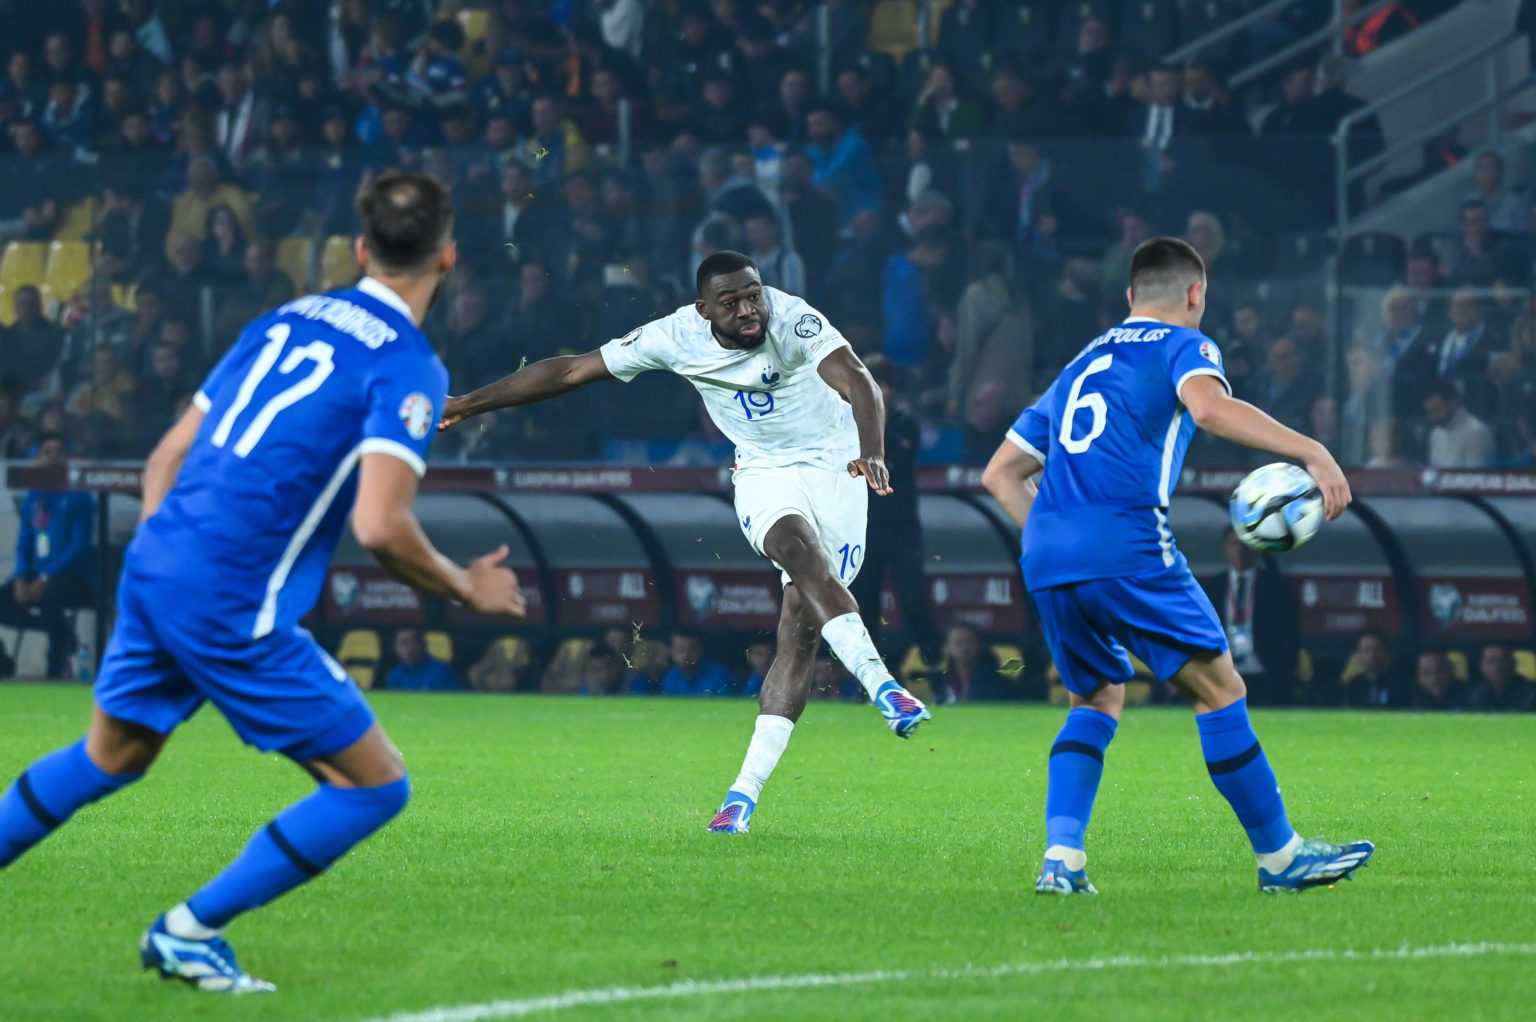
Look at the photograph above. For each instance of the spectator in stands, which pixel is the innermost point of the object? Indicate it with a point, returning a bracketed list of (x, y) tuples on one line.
[(1370, 679), (971, 672), (1020, 201), (205, 190), (240, 123), (1507, 212), (258, 286), (501, 668), (1159, 121), (908, 300), (716, 115), (795, 98), (760, 654), (541, 317), (224, 245), (868, 111), (1368, 402), (779, 265), (506, 90), (1289, 386), (987, 417), (1206, 107), (417, 670), (556, 148), (1090, 67), (31, 347), (1435, 684), (1464, 351), (1259, 611), (941, 110), (55, 563), (1479, 256), (15, 431), (602, 674), (810, 209), (844, 165), (994, 340), (1116, 264), (1457, 438), (1204, 231), (437, 75), (647, 658), (162, 397), (35, 184), (1498, 687), (691, 674), (103, 405)]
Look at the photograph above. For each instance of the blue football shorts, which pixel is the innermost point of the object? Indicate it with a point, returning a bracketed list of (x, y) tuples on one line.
[(1163, 617), (280, 693)]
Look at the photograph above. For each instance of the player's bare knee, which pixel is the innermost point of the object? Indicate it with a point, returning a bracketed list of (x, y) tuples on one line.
[(1107, 699), (119, 747)]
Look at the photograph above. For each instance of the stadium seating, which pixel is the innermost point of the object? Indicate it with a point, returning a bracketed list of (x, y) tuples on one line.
[(1458, 661), (1148, 27), (23, 263), (564, 670), (478, 42), (440, 646), (1525, 664), (7, 306), (1199, 18), (295, 257), (1022, 29), (893, 28), (68, 268), (338, 264), (1372, 259), (76, 221), (1302, 253), (359, 654), (913, 74), (1075, 13)]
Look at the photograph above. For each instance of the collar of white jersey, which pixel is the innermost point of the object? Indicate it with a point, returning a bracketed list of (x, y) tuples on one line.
[(383, 292), (1140, 319)]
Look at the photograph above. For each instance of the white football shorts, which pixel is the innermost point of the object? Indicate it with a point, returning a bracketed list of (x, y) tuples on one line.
[(834, 502)]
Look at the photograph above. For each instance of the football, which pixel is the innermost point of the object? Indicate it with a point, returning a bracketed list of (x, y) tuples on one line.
[(1276, 508)]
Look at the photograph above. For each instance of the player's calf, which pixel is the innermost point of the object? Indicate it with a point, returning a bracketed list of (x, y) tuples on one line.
[(49, 792)]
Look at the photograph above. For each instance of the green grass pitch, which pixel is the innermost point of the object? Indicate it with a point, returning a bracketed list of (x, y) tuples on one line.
[(558, 845)]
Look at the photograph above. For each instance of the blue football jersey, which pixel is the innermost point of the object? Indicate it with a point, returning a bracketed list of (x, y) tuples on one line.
[(260, 502), (1111, 432)]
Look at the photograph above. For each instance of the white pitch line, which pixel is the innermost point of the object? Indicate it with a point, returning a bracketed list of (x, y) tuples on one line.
[(523, 1007)]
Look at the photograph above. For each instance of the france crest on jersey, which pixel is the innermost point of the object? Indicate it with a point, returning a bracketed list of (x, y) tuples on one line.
[(1111, 433), (261, 499)]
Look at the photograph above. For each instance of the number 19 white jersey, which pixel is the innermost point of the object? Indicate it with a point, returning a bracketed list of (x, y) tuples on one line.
[(770, 400)]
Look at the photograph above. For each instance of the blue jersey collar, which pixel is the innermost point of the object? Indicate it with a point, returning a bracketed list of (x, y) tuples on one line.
[(374, 289)]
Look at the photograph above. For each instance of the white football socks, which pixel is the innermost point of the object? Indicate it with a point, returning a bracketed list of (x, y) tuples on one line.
[(1072, 858), (850, 640), (768, 741), (180, 922), (1279, 861)]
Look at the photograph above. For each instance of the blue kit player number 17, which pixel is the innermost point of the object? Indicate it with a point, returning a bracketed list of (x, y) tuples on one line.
[(323, 409)]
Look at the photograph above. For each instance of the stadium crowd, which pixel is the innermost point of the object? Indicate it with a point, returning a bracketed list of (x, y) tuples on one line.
[(968, 210)]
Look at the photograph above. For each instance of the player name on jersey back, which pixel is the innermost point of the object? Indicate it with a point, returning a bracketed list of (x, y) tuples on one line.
[(770, 401), (1112, 433)]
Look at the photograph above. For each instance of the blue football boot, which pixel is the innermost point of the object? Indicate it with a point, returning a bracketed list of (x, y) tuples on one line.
[(1056, 878), (205, 964), (1317, 864), (902, 710), (734, 814)]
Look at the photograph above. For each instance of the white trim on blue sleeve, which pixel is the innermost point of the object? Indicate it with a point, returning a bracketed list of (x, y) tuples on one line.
[(394, 448), (1025, 446), (202, 402), (1202, 371)]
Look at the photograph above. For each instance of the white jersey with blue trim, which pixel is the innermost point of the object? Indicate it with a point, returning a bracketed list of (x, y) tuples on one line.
[(1112, 433), (769, 400), (261, 499)]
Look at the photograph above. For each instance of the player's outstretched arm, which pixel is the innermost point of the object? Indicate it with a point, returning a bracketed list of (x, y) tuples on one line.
[(1010, 477), (1216, 411), (165, 460), (540, 381), (844, 373), (387, 528)]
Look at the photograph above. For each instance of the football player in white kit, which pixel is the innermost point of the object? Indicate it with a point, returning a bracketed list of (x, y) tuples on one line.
[(808, 423)]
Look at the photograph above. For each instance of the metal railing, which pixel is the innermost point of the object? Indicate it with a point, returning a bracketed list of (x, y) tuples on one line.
[(1331, 33)]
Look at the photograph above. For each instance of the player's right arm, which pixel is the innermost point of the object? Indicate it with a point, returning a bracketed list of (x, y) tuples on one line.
[(540, 381), (387, 528), (1216, 411), (165, 460)]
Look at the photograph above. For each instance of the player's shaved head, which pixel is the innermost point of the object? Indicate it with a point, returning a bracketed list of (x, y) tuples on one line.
[(406, 221), (720, 264), (1163, 270)]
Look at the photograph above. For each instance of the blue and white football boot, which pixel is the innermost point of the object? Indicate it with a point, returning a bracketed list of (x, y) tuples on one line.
[(1056, 878), (1317, 864), (205, 964), (734, 814), (902, 710)]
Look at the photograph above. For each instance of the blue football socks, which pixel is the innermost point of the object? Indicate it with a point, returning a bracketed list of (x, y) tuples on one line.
[(1076, 764), (301, 843), (47, 793), (1241, 772)]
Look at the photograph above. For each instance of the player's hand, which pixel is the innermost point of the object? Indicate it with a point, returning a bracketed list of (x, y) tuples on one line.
[(875, 471), (1330, 479), (453, 413), (493, 587)]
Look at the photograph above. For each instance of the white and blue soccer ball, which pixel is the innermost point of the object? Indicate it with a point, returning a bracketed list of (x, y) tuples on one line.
[(1277, 508)]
